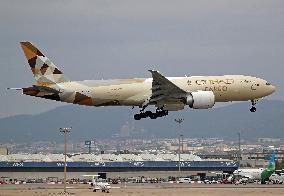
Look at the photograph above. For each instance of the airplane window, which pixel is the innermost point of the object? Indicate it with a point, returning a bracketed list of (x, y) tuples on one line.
[(257, 85)]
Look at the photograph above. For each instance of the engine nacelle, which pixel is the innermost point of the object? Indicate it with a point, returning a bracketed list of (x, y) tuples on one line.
[(201, 100)]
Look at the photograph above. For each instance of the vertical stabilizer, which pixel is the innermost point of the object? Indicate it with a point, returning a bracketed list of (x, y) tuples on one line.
[(271, 165), (44, 71), (270, 168)]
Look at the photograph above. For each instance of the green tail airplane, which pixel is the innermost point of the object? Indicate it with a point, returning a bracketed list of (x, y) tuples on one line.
[(261, 174)]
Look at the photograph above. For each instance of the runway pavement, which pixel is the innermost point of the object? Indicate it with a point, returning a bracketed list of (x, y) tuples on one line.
[(147, 189)]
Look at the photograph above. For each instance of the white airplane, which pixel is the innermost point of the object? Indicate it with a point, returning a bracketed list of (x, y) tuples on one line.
[(165, 93), (277, 178), (261, 174), (99, 183)]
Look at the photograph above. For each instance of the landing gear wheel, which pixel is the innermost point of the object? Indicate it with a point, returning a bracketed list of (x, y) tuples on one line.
[(148, 113), (143, 115), (253, 109), (137, 116), (153, 116), (253, 103), (159, 113)]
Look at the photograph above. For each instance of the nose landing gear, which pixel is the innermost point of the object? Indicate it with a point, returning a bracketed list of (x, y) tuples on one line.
[(253, 109), (253, 103)]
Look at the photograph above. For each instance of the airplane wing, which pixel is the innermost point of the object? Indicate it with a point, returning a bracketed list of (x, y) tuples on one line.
[(163, 89)]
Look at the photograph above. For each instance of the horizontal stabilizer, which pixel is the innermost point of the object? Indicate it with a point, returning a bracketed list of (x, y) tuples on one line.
[(18, 89), (46, 89)]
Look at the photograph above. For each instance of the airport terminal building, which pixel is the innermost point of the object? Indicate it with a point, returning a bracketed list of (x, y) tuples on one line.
[(122, 165)]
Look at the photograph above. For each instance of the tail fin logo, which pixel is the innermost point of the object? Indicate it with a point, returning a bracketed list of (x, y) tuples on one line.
[(272, 161), (44, 71)]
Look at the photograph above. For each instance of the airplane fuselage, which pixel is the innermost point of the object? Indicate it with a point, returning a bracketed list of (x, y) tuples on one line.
[(252, 174), (165, 93), (133, 92)]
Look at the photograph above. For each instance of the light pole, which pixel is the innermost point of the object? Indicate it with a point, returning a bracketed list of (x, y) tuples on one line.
[(181, 143), (179, 121), (239, 153), (65, 130)]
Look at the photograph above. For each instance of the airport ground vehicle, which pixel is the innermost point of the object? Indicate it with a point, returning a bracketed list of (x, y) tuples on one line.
[(184, 180), (99, 183)]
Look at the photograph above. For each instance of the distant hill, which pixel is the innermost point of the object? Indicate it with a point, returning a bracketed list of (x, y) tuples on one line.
[(92, 122)]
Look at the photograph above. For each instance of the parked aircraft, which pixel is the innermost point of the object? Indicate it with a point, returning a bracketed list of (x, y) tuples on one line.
[(165, 93), (260, 173)]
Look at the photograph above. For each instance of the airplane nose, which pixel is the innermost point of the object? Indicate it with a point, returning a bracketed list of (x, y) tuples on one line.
[(272, 89)]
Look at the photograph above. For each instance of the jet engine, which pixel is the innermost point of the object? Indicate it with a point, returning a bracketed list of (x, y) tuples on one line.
[(201, 100)]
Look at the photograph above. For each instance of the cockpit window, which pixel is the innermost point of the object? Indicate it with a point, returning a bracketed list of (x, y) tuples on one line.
[(267, 83)]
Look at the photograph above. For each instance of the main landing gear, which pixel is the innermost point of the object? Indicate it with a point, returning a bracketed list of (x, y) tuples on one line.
[(253, 103), (159, 113)]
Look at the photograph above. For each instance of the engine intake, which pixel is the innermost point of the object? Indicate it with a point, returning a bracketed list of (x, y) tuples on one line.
[(201, 100)]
